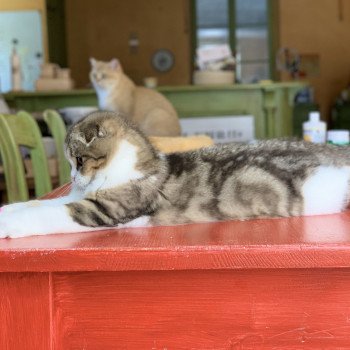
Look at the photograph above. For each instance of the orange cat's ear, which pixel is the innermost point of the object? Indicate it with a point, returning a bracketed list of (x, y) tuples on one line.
[(115, 64), (92, 62)]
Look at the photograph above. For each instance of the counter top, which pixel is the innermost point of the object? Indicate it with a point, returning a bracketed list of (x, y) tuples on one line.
[(267, 86), (300, 242)]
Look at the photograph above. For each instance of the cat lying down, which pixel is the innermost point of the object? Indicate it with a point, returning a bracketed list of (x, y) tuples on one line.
[(119, 180)]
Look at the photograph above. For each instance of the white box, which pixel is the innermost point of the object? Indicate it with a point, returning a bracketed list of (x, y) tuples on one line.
[(228, 128), (212, 54)]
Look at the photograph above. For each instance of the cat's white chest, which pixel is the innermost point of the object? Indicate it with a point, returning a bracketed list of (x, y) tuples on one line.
[(102, 96), (121, 170)]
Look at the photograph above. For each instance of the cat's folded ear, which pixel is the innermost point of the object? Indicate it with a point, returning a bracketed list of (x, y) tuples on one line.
[(104, 130), (92, 62), (101, 131), (115, 64)]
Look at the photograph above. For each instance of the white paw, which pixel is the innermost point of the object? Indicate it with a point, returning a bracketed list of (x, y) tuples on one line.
[(142, 221), (12, 226)]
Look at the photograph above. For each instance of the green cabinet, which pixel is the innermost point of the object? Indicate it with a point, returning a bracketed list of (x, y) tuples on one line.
[(271, 104)]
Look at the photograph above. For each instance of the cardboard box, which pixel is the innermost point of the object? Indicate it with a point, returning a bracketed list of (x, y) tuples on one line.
[(44, 84)]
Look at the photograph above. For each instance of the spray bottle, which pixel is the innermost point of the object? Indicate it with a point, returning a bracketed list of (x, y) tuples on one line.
[(16, 75)]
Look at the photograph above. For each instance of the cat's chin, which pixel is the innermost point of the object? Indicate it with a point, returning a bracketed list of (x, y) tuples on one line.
[(78, 186), (92, 185), (82, 181)]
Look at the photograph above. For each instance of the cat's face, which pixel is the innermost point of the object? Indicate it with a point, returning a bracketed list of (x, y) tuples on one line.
[(104, 74), (91, 144)]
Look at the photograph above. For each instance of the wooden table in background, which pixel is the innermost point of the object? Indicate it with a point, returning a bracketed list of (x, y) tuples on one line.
[(261, 284)]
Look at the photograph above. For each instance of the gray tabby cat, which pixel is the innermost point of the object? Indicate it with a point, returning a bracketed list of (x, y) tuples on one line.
[(120, 180)]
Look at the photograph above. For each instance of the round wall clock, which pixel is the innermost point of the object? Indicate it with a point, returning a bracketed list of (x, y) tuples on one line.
[(163, 60)]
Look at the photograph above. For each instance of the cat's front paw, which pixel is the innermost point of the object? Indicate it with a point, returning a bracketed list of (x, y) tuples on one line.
[(11, 226)]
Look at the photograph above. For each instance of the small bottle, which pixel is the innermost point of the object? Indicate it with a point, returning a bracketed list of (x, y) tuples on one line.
[(338, 137), (314, 130), (16, 75)]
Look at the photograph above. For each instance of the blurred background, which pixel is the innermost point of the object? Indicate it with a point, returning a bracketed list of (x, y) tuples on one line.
[(69, 32)]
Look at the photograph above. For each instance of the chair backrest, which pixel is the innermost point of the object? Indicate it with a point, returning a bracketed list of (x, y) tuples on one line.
[(58, 130), (22, 130)]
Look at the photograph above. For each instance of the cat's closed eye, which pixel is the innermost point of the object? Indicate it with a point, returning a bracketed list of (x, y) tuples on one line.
[(92, 162), (80, 162)]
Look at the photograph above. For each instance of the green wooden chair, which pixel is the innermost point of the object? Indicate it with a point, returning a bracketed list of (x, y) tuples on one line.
[(58, 130), (22, 130)]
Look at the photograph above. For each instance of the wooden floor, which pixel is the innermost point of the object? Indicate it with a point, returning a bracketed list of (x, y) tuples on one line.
[(261, 284)]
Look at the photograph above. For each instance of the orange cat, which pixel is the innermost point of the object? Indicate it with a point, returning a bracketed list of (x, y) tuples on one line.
[(148, 109)]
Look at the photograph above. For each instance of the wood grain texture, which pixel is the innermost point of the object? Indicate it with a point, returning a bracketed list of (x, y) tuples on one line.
[(300, 242), (220, 286), (305, 31), (156, 23), (24, 311), (221, 310)]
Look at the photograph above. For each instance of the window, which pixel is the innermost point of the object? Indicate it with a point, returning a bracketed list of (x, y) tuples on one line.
[(244, 24), (212, 22), (25, 27)]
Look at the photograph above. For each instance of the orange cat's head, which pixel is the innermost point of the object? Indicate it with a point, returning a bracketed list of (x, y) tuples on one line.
[(105, 74)]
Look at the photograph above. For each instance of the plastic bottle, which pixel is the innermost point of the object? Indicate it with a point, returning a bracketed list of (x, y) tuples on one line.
[(338, 137), (16, 76), (314, 130)]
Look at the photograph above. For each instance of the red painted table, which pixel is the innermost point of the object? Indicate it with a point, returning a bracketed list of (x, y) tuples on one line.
[(262, 284)]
